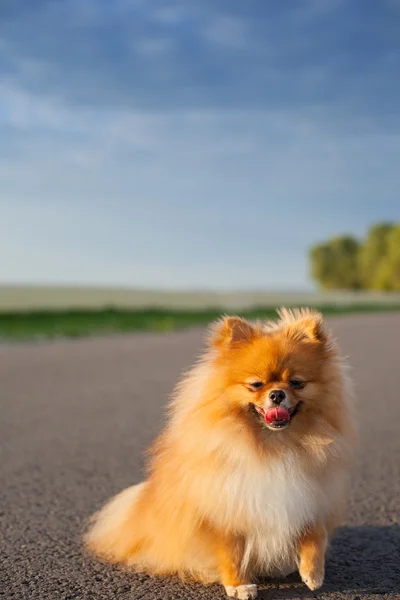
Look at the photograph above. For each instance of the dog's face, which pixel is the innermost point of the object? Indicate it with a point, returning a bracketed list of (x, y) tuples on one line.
[(283, 373)]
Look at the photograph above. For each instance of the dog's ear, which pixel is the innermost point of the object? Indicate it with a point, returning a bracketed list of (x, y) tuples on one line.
[(305, 324), (231, 331)]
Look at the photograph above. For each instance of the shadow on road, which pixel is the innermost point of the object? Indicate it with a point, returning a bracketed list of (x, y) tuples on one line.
[(361, 561)]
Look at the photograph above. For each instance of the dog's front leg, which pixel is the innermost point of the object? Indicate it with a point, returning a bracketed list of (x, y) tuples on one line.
[(228, 551), (311, 551)]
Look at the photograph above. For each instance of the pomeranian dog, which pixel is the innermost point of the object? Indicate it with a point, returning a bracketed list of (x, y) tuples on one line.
[(249, 477)]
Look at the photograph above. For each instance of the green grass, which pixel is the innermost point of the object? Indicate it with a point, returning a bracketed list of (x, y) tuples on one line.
[(79, 323)]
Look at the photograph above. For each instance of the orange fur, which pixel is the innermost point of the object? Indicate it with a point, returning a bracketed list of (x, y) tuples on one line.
[(227, 498), (312, 547)]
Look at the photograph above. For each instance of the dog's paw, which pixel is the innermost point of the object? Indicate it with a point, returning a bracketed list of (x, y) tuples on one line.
[(313, 579), (247, 591)]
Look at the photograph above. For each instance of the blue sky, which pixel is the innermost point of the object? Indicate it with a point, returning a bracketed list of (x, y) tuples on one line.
[(190, 143)]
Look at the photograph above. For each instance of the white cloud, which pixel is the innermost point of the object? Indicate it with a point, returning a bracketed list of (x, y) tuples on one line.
[(169, 15), (228, 31), (153, 47), (24, 110)]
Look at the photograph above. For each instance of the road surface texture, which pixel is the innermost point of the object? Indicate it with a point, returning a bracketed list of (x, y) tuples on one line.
[(76, 417)]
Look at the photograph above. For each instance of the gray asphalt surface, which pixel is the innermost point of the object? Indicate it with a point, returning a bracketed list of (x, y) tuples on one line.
[(75, 418)]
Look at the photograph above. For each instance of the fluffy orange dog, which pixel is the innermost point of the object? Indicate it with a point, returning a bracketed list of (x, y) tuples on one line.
[(249, 476)]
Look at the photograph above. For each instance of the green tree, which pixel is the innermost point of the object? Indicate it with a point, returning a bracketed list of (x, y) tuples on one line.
[(335, 264), (373, 257), (388, 274), (321, 265)]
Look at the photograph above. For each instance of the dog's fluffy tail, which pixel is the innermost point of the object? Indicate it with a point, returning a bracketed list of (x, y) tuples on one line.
[(112, 534)]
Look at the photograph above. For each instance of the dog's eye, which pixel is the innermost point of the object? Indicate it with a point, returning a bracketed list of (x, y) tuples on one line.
[(256, 385), (296, 383)]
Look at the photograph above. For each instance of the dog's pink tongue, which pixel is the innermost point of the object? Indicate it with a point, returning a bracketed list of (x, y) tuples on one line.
[(277, 413)]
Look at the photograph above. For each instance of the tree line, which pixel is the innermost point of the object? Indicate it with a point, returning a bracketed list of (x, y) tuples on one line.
[(348, 263)]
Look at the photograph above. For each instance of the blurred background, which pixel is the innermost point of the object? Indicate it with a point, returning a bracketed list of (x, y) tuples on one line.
[(160, 158)]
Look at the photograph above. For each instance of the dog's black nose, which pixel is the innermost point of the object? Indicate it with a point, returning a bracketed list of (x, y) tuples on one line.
[(277, 396)]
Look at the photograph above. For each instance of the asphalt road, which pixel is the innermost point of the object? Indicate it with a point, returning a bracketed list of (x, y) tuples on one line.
[(75, 418)]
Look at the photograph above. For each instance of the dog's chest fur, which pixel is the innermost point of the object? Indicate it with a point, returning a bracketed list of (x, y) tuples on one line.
[(275, 503)]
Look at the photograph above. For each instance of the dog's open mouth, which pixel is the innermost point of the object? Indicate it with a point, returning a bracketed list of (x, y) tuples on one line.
[(277, 417)]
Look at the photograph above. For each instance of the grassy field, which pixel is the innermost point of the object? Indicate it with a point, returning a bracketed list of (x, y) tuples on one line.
[(15, 298), (31, 325)]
